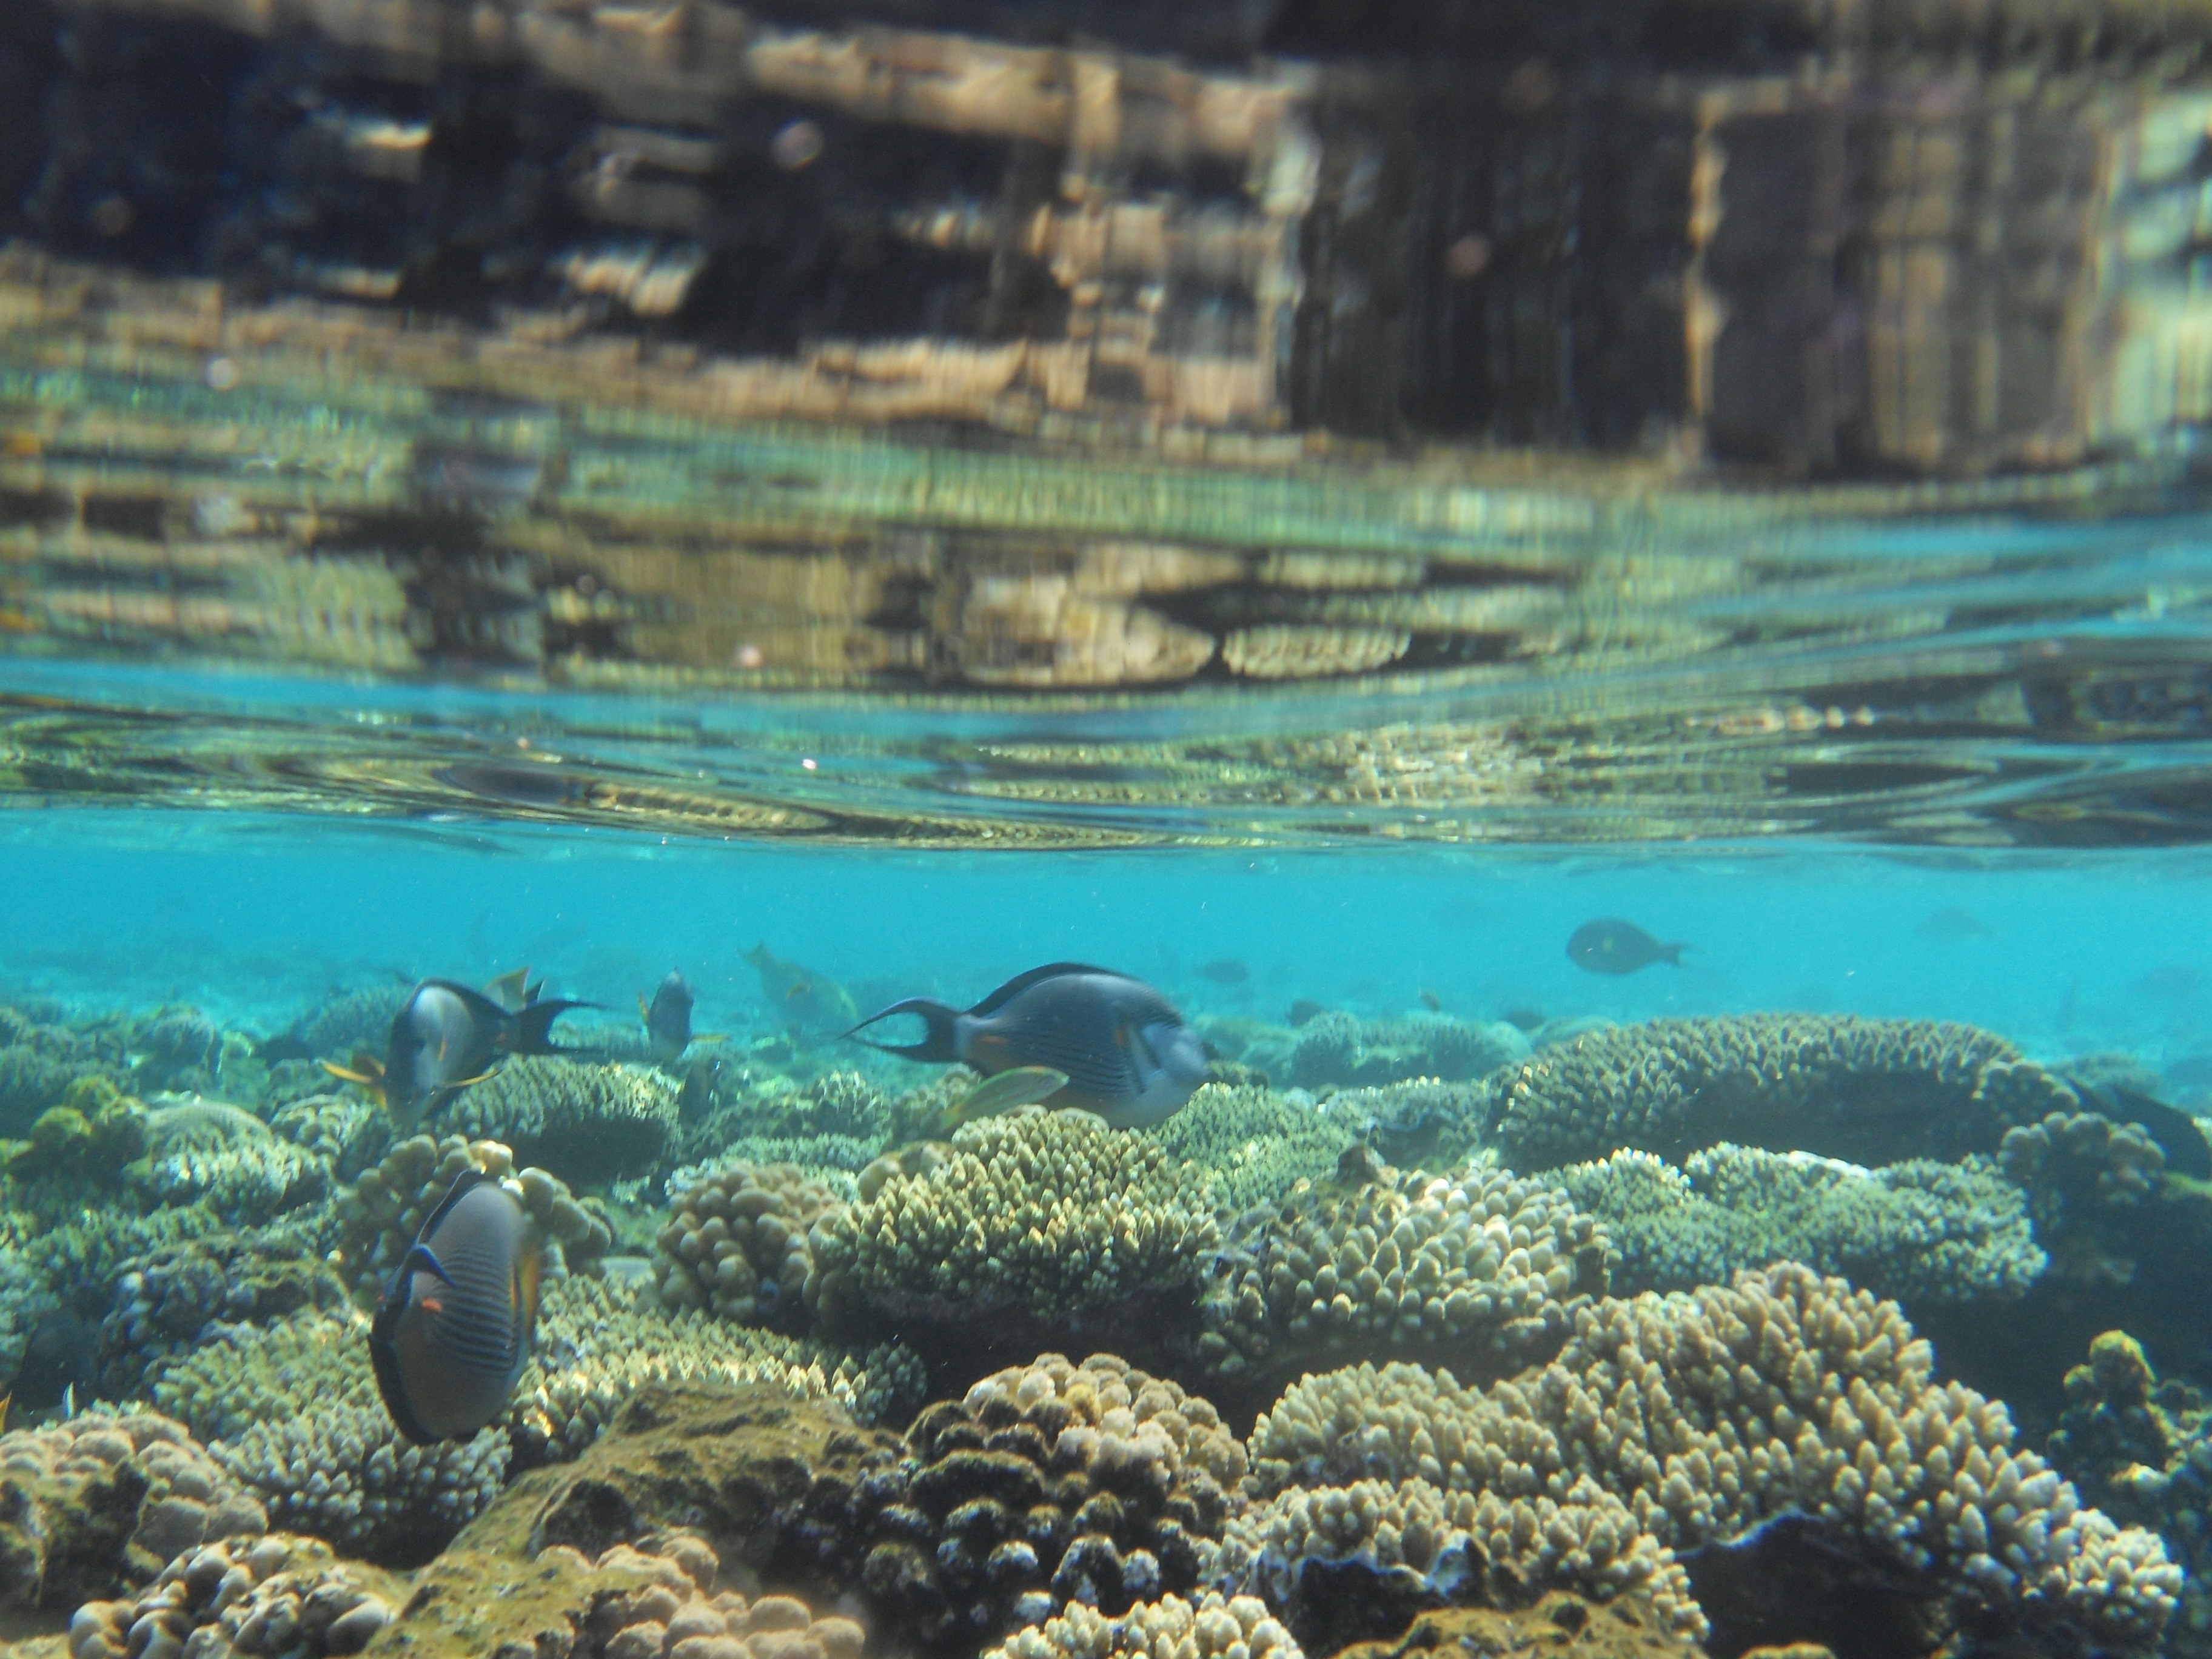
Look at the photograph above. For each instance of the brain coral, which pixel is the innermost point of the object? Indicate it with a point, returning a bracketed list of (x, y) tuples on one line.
[(291, 1411), (98, 1504), (1051, 1214), (595, 1349), (1706, 1414), (736, 1242), (1920, 1231), (587, 1123), (1051, 1483), (1237, 1627), (280, 1594), (1872, 1090), (1480, 1267)]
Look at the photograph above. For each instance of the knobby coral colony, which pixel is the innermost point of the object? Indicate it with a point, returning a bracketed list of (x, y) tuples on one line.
[(1613, 1327)]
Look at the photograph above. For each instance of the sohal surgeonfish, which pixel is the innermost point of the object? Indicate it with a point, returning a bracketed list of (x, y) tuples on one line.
[(445, 1037), (1610, 946), (1128, 1055), (668, 1020), (453, 1333)]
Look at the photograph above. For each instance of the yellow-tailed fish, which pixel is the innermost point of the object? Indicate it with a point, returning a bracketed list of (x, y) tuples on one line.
[(453, 1333), (1127, 1053), (668, 1018), (1022, 1086), (445, 1037)]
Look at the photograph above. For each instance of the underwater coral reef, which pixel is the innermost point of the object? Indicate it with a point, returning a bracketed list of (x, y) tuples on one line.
[(1704, 1334)]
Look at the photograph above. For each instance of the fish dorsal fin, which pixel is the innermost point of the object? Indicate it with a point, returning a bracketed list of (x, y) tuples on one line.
[(468, 1178), (510, 990), (1021, 983), (478, 1004)]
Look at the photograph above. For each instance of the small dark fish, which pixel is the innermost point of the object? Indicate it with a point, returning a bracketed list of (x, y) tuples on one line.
[(2175, 981), (1610, 946), (1304, 1011), (445, 1037), (668, 1019), (2178, 1135), (62, 1357), (1526, 1019), (287, 1047), (1955, 924), (453, 1333), (1226, 970), (1432, 1002), (1128, 1055)]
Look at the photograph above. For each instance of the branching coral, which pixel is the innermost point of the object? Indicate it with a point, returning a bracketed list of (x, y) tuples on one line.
[(1923, 1232), (1342, 1049), (736, 1242), (1480, 1268), (586, 1123), (1238, 1627), (1252, 1144)]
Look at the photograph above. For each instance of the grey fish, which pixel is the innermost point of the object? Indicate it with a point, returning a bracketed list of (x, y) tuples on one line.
[(1955, 924), (1128, 1055), (453, 1333), (1610, 946), (801, 998), (668, 1019), (445, 1037), (1226, 970)]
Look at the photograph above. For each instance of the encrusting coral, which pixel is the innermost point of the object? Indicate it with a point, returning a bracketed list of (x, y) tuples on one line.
[(1480, 1268), (1875, 1091), (1922, 1231), (95, 1506), (585, 1122), (1706, 1414)]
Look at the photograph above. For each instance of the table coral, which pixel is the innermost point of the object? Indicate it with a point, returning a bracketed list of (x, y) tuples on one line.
[(1480, 1267), (1338, 1048), (1051, 1215), (291, 1411), (97, 1505), (1922, 1232), (280, 1594), (1873, 1091), (1706, 1414), (585, 1122)]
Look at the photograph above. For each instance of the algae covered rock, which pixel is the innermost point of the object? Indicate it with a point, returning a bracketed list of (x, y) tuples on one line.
[(99, 1504)]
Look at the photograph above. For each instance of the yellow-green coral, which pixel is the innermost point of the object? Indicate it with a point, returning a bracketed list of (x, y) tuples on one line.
[(1051, 1213), (1214, 1627), (1254, 1144), (1873, 1091), (1925, 1231)]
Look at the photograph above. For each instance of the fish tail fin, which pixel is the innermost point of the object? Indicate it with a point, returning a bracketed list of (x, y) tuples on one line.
[(1672, 951), (936, 1045), (534, 1026), (367, 1071), (644, 1012)]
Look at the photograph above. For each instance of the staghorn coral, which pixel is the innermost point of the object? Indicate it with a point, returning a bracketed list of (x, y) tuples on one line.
[(595, 1349), (380, 1216), (291, 1411), (1237, 1627), (1254, 1145), (166, 1298), (1049, 1483), (94, 1506), (1342, 1049), (279, 1594), (1482, 1268), (1708, 1414), (586, 1123), (1414, 1546), (736, 1242), (1051, 1215), (1872, 1090), (1922, 1231)]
